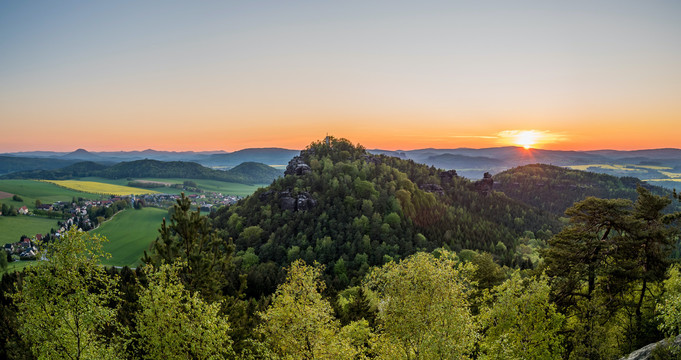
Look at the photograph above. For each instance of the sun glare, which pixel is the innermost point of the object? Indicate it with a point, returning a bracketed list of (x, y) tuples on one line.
[(526, 139)]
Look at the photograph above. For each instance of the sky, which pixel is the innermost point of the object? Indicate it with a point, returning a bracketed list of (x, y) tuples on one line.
[(227, 75)]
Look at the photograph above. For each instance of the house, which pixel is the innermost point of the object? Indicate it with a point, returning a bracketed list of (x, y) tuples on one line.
[(23, 210), (46, 207), (39, 237)]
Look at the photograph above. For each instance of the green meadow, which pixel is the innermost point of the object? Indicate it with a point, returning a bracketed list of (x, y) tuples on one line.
[(47, 193), (12, 227), (129, 233)]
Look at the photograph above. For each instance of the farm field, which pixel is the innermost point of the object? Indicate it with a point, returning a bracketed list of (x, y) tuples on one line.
[(12, 227), (32, 190), (100, 188), (129, 233), (223, 187)]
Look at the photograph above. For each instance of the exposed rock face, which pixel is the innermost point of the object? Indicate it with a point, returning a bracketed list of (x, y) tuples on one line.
[(645, 352), (302, 202), (447, 176), (305, 202), (266, 195), (485, 185), (432, 188), (297, 167), (372, 159), (287, 203)]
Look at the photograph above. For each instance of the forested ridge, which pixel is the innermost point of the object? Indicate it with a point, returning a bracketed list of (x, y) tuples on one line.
[(245, 173), (353, 256), (555, 188), (356, 210)]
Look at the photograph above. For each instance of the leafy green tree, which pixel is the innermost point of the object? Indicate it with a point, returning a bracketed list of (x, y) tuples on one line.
[(191, 239), (299, 324), (176, 324), (670, 306), (423, 311), (521, 322), (3, 261), (62, 302)]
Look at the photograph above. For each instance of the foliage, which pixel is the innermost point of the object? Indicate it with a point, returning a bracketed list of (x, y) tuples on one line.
[(521, 322), (554, 188), (299, 324), (176, 324), (606, 265), (62, 302), (670, 306), (191, 239), (369, 210), (423, 308)]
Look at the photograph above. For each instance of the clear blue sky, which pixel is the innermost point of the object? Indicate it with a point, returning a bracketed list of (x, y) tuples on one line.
[(226, 75)]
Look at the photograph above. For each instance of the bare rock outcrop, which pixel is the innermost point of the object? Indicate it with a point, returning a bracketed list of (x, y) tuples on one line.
[(432, 188), (301, 202), (297, 167), (645, 352), (447, 176), (484, 186), (372, 159)]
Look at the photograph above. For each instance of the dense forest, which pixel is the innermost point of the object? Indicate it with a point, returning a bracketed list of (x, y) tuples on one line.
[(554, 188), (245, 173), (354, 256)]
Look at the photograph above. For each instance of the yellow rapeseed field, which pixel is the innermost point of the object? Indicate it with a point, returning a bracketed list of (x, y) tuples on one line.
[(100, 188)]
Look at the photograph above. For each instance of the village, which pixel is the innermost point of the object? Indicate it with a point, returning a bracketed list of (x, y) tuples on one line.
[(87, 215)]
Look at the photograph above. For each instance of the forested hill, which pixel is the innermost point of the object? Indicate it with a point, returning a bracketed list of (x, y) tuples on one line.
[(347, 209), (246, 173), (554, 188)]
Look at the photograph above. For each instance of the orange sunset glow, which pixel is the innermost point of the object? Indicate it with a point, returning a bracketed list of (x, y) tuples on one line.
[(226, 76)]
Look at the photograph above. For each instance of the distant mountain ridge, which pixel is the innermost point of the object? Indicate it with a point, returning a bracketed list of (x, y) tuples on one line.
[(468, 162)]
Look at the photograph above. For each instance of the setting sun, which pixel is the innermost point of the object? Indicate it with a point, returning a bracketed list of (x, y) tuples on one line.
[(526, 139)]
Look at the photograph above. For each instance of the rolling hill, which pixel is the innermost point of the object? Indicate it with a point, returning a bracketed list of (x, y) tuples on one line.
[(247, 173)]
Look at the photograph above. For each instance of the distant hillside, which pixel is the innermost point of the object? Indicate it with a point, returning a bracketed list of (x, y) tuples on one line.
[(495, 160), (10, 164), (255, 170), (248, 173), (82, 154), (271, 156), (554, 188), (453, 161)]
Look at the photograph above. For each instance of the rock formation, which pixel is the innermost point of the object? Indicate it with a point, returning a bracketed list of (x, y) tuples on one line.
[(432, 188), (301, 202), (447, 176), (297, 167), (645, 352), (484, 186)]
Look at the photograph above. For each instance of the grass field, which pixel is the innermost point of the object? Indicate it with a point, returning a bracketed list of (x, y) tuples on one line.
[(12, 227), (228, 188), (100, 188), (20, 265), (130, 233), (30, 190)]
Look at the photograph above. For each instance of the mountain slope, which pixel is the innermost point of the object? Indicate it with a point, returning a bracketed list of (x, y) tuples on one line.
[(554, 188), (10, 164), (349, 210)]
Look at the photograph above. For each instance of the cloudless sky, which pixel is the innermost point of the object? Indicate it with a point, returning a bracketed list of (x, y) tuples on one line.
[(208, 75)]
